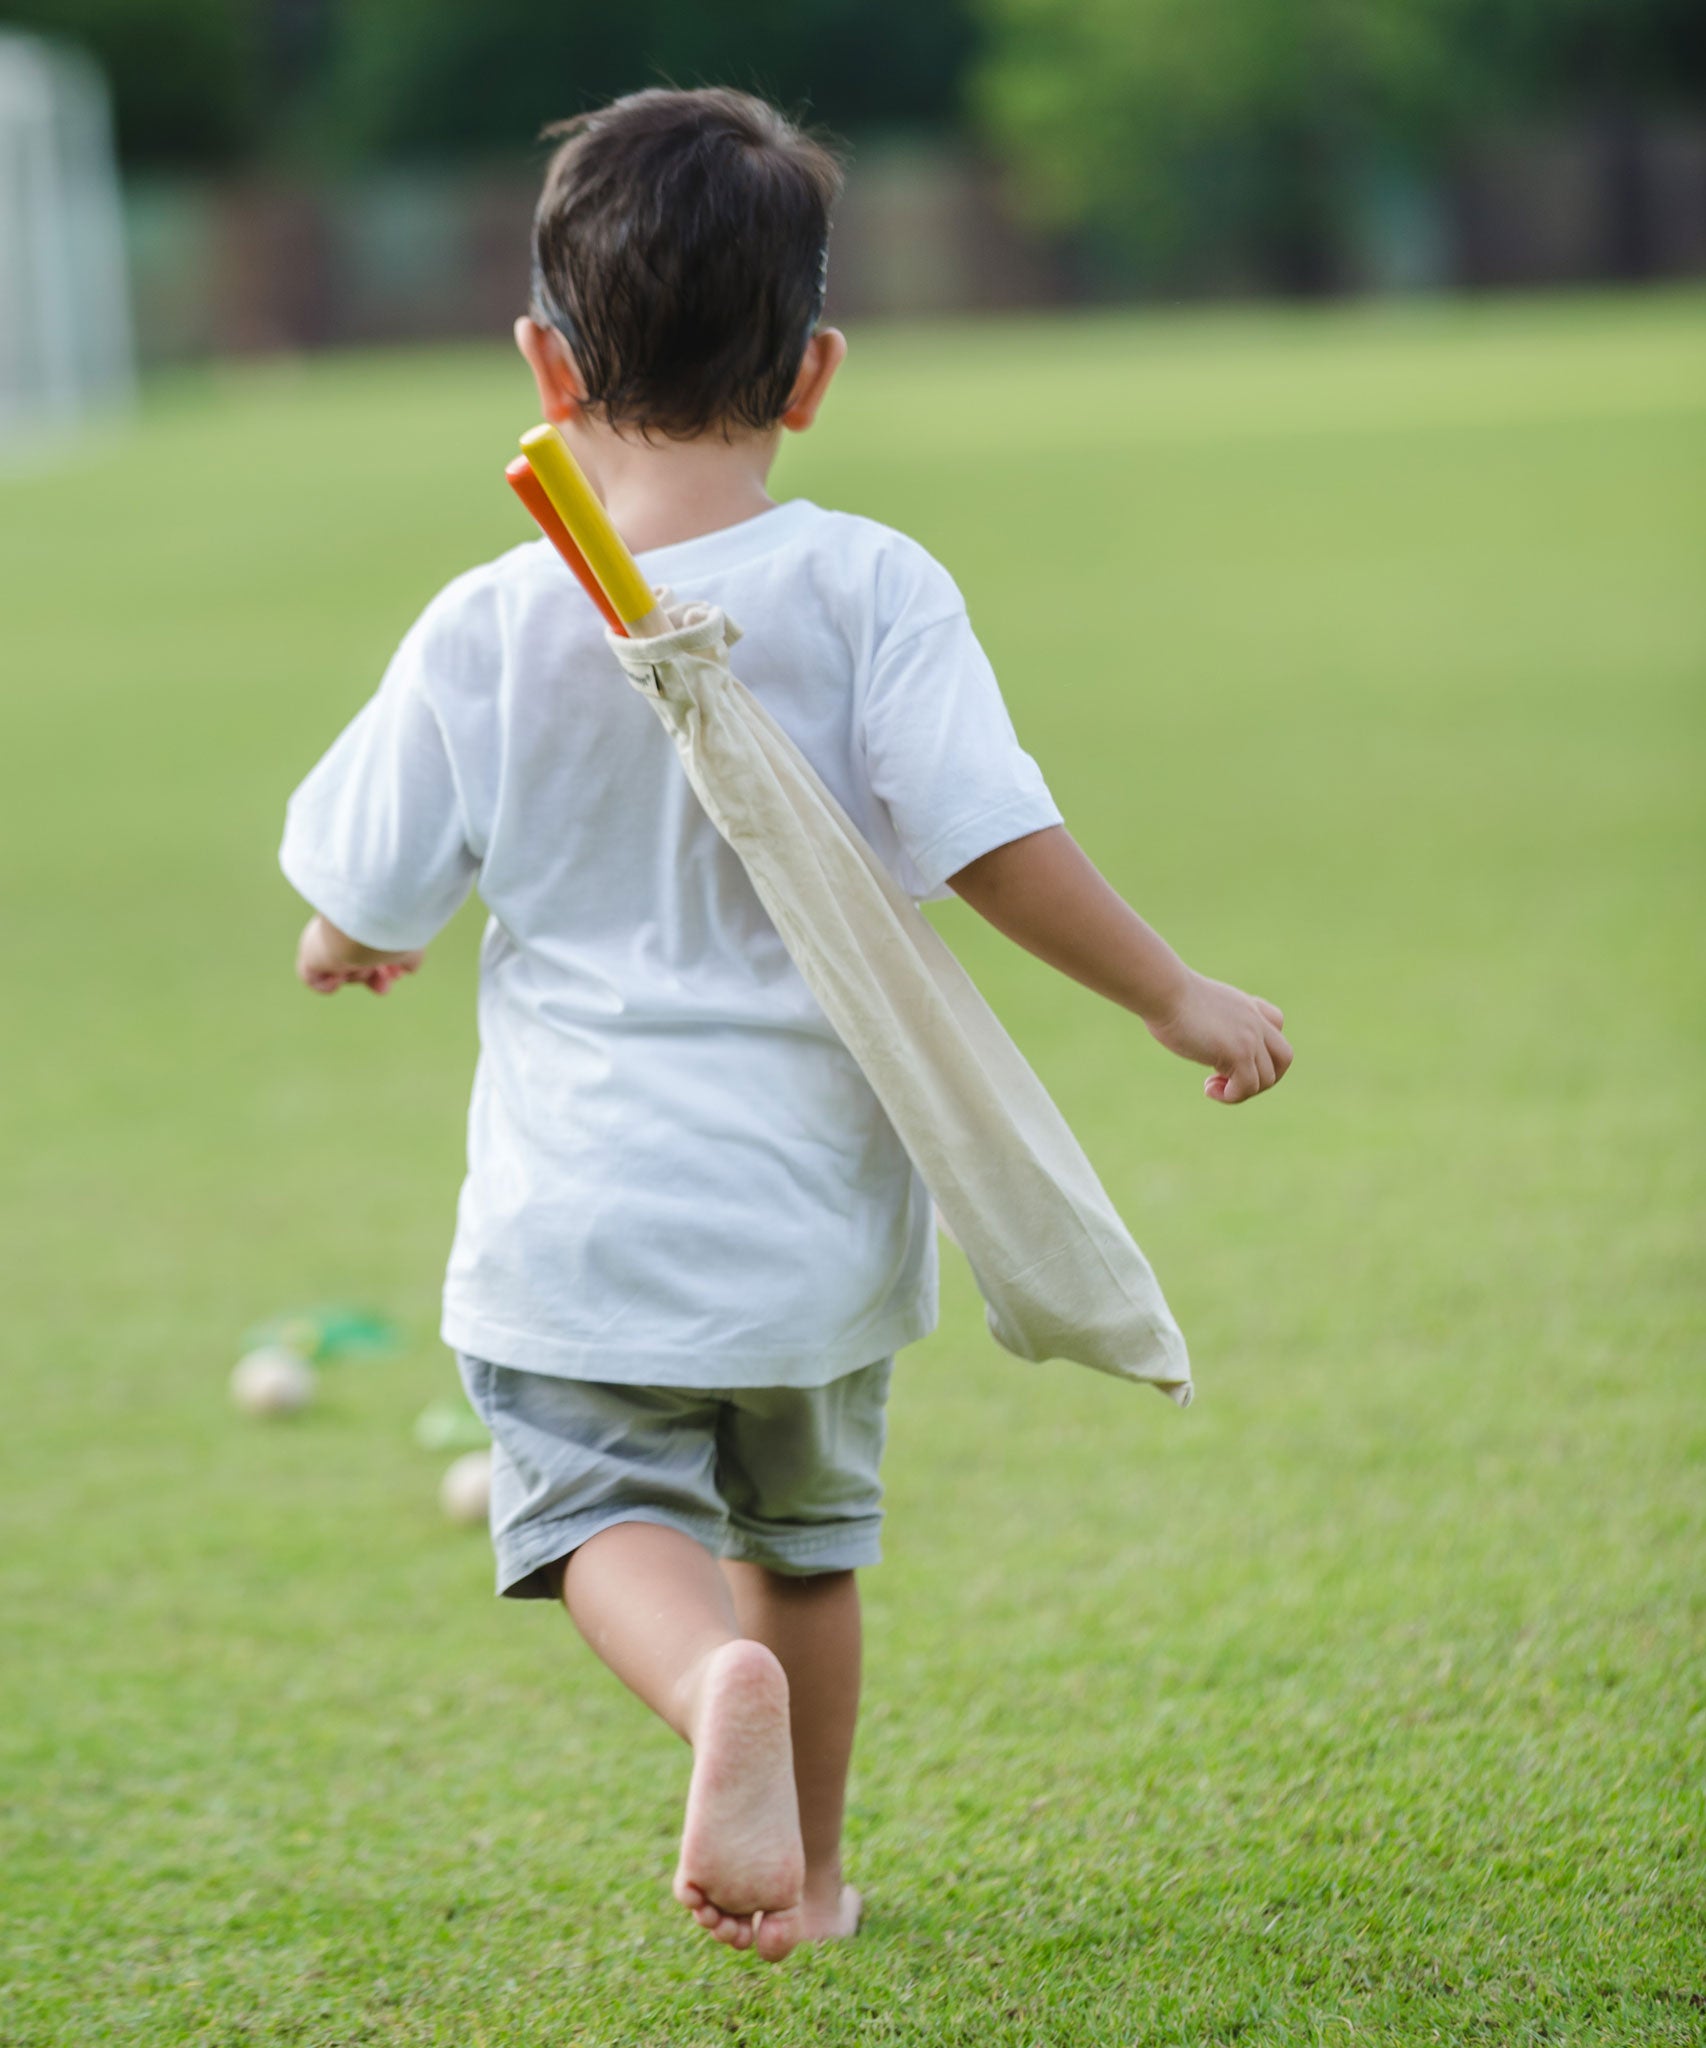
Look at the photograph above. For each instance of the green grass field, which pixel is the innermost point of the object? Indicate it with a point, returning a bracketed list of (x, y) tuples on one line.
[(1361, 1704)]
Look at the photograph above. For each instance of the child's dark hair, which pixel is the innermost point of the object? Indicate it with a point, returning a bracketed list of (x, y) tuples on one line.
[(680, 248)]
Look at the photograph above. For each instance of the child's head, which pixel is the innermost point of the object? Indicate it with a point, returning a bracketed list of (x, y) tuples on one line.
[(680, 248)]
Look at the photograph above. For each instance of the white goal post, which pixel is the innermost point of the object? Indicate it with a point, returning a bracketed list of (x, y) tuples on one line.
[(66, 347)]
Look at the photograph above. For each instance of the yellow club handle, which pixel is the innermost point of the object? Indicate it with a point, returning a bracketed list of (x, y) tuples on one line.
[(564, 483)]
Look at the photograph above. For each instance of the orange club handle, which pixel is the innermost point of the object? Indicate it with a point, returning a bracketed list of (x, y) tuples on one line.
[(527, 487)]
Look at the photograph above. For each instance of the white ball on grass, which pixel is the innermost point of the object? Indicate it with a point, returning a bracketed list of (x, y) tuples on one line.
[(272, 1381), (465, 1491)]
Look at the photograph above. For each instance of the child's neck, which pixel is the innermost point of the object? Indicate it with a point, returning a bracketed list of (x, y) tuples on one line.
[(661, 491)]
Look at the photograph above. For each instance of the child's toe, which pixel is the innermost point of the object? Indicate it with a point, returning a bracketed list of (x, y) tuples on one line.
[(779, 1934)]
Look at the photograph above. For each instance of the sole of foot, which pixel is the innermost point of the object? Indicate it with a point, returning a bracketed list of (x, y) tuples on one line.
[(740, 1841), (779, 1934)]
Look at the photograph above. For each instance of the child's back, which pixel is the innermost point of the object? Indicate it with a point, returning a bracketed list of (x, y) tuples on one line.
[(677, 1174)]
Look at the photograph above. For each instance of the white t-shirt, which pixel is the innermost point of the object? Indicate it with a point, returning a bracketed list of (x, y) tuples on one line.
[(677, 1175)]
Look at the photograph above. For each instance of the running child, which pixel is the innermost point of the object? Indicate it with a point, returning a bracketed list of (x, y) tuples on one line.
[(689, 1243)]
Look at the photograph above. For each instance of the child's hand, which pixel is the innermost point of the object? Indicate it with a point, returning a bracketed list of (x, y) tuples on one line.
[(328, 960), (1221, 1027)]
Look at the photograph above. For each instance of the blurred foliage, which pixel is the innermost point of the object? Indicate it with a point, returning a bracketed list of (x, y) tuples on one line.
[(187, 75), (1221, 131), (1194, 142), (347, 81), (417, 75)]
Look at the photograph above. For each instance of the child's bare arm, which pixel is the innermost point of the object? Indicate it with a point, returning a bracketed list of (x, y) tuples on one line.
[(1045, 894), (328, 959)]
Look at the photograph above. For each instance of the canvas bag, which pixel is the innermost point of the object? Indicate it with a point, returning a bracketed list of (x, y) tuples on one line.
[(1060, 1274)]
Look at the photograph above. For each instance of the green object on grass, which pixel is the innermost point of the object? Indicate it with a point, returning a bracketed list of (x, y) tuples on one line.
[(329, 1335), (450, 1425)]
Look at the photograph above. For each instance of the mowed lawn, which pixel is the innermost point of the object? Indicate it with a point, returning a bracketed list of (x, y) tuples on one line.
[(1362, 1703)]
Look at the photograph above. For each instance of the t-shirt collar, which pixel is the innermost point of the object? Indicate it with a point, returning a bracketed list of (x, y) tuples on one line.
[(729, 546)]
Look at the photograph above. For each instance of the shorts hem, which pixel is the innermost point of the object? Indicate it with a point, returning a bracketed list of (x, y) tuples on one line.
[(843, 1549), (522, 1567)]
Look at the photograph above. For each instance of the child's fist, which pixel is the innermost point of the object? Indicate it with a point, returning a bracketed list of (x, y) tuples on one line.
[(1221, 1027), (328, 960)]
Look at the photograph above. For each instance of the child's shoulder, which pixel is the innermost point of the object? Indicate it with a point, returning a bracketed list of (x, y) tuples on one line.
[(881, 582), (887, 571), (466, 628), (474, 598)]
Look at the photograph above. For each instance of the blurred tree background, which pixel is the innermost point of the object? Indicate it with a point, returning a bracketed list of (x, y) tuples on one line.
[(1244, 105), (1211, 134), (311, 172), (338, 83)]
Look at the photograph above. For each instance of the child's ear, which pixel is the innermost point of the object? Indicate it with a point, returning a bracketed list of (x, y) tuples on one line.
[(562, 392), (825, 353)]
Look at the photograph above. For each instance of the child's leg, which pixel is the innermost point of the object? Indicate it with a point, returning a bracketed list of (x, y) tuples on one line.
[(812, 1624), (656, 1608), (798, 1470)]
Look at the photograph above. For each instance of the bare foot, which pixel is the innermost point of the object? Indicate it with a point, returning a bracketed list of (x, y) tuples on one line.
[(740, 1842), (833, 1919)]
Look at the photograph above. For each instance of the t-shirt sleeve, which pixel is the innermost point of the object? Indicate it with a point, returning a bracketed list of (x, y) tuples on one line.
[(376, 838), (941, 751)]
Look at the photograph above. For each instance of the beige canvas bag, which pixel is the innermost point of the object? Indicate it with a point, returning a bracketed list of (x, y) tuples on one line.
[(1059, 1272)]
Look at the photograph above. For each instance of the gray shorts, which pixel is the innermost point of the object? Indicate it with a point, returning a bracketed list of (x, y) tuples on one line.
[(778, 1476)]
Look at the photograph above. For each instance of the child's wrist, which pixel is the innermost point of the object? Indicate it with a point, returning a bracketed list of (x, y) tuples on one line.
[(1165, 989)]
